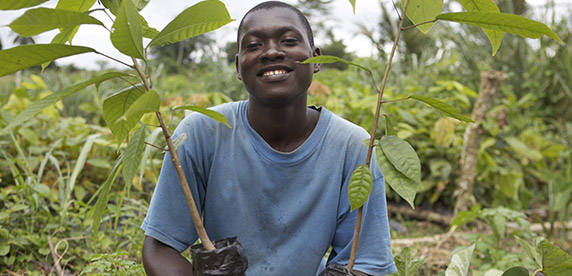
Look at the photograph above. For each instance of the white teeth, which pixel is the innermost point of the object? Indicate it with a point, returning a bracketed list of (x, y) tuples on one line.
[(274, 72)]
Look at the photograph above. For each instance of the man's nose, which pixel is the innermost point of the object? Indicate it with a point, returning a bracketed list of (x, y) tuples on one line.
[(272, 51)]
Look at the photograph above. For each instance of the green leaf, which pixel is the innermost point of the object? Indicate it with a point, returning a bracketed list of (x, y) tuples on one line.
[(114, 109), (447, 109), (4, 249), (332, 59), (147, 32), (49, 100), (177, 142), (460, 262), (419, 11), (140, 4), (401, 184), (402, 156), (195, 20), (133, 154), (126, 33), (389, 130), (516, 271), (465, 217), (555, 262), (75, 5), (406, 265), (19, 4), (96, 213), (360, 186), (509, 23), (522, 149), (149, 102), (210, 113), (40, 20), (67, 34), (495, 36), (353, 2), (24, 56), (532, 253)]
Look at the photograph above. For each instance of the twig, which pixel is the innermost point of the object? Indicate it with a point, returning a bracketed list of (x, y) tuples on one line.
[(114, 59), (422, 23), (157, 147), (55, 257), (197, 221), (373, 131), (421, 214)]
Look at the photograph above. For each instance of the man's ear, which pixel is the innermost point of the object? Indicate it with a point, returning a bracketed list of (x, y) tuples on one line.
[(237, 67), (317, 66)]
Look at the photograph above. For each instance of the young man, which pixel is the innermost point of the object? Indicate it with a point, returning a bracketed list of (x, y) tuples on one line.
[(278, 180)]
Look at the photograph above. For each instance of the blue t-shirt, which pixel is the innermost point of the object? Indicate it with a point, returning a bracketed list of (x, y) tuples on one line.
[(286, 209)]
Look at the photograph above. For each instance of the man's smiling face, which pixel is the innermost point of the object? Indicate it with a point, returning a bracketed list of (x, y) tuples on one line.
[(271, 43)]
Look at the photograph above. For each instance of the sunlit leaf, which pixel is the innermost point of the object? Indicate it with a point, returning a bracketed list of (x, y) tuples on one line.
[(37, 21), (522, 149), (402, 156), (126, 33), (460, 262), (332, 59), (464, 217), (389, 130), (532, 253), (198, 19), (96, 213), (178, 141), (24, 56), (19, 4), (555, 261), (445, 108), (210, 113), (360, 186), (406, 265), (495, 36), (353, 2), (420, 11), (516, 271), (147, 32), (114, 109), (133, 154), (401, 184), (67, 34), (140, 4), (506, 22), (49, 100), (148, 102)]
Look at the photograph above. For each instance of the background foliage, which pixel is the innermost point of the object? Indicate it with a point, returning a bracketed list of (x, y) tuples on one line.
[(52, 166)]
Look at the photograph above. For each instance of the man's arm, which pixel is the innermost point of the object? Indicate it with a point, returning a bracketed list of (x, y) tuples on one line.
[(161, 259)]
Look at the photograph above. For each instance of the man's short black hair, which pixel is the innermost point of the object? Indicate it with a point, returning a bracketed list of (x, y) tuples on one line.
[(277, 4)]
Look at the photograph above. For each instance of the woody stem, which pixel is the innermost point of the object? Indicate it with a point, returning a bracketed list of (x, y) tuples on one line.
[(197, 221), (372, 134)]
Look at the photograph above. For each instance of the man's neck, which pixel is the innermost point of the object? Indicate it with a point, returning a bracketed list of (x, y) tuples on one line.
[(284, 128)]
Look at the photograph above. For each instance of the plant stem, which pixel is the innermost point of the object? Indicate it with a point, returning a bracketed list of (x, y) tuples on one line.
[(536, 272), (197, 221), (372, 134), (114, 59), (422, 23)]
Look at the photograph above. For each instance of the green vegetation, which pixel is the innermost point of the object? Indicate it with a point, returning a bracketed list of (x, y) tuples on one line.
[(73, 196)]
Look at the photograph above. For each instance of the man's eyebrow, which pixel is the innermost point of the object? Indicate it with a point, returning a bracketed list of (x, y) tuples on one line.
[(279, 31)]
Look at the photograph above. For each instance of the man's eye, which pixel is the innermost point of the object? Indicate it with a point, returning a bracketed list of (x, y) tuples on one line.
[(252, 45), (290, 41)]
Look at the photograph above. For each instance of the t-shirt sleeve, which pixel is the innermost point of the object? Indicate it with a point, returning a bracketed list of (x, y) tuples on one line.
[(374, 255), (168, 217)]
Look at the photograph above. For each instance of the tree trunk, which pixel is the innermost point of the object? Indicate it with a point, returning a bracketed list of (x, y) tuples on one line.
[(490, 83)]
